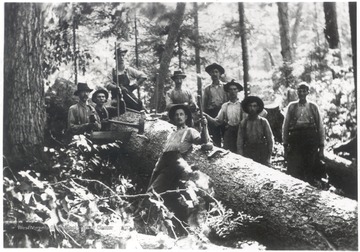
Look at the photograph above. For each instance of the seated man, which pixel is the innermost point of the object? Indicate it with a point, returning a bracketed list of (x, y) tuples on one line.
[(255, 138), (82, 117), (171, 166)]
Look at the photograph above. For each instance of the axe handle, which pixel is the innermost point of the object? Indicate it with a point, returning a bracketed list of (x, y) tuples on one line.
[(124, 123)]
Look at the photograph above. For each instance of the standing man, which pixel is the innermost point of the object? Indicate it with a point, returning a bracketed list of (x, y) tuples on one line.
[(126, 75), (229, 115), (179, 95), (82, 117), (214, 96), (255, 138), (303, 136)]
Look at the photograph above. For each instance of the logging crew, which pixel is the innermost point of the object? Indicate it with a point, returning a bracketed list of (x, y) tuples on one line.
[(105, 113), (126, 74), (171, 167), (82, 117), (214, 96), (255, 138), (303, 137), (229, 115)]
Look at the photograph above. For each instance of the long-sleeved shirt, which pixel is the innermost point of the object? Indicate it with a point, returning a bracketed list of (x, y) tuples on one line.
[(132, 73), (79, 117), (214, 96), (300, 116), (230, 113), (178, 96), (255, 131), (182, 139)]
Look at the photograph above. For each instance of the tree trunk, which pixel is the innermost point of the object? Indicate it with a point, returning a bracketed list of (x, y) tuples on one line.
[(245, 56), (295, 29), (24, 110), (352, 13), (197, 45), (284, 32), (168, 52), (331, 27), (295, 214), (342, 173)]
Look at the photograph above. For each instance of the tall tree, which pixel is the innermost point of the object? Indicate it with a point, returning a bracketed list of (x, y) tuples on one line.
[(24, 111), (284, 32), (295, 29), (244, 47), (197, 44), (168, 52), (352, 12), (331, 28)]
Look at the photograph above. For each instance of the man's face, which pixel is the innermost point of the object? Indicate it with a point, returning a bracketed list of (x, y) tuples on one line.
[(100, 99), (121, 57), (233, 91), (215, 74), (178, 80), (253, 108), (180, 117), (84, 95), (302, 93)]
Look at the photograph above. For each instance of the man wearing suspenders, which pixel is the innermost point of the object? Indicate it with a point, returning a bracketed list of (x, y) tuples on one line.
[(303, 136)]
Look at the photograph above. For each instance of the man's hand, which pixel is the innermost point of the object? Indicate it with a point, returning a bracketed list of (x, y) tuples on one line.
[(204, 120)]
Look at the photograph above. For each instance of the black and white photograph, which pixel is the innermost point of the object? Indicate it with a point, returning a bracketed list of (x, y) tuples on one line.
[(180, 125)]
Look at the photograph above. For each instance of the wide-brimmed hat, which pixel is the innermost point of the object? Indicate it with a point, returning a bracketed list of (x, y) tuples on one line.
[(186, 110), (303, 85), (103, 91), (251, 99), (178, 73), (82, 87), (232, 82), (209, 68)]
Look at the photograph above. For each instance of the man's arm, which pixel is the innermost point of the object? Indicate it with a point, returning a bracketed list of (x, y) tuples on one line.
[(138, 75), (270, 139), (286, 130), (72, 126), (220, 118), (168, 100), (320, 128)]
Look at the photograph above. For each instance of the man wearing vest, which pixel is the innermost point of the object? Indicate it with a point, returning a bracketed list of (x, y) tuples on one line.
[(229, 115), (214, 96), (255, 138), (303, 137)]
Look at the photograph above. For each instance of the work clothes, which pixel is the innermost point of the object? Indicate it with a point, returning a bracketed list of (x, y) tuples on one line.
[(80, 116)]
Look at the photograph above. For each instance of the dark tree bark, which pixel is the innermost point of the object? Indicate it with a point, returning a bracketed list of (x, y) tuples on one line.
[(244, 47), (168, 52), (284, 32), (331, 27), (24, 110), (295, 214), (295, 29), (197, 46), (352, 12)]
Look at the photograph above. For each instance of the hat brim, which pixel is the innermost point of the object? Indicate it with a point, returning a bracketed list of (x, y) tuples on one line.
[(186, 109), (238, 85), (77, 91), (251, 99), (211, 67), (93, 98), (178, 75)]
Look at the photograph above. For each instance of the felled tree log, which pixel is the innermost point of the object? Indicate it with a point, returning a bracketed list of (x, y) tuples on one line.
[(342, 173), (295, 214)]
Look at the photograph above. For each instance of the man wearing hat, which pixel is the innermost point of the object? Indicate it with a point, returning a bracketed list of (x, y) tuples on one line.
[(100, 98), (171, 167), (214, 96), (255, 138), (179, 95), (229, 115), (303, 137), (82, 117), (126, 75)]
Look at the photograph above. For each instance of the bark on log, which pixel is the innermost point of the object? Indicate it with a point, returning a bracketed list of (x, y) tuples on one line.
[(342, 173), (295, 214)]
